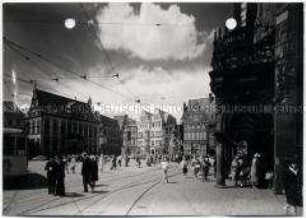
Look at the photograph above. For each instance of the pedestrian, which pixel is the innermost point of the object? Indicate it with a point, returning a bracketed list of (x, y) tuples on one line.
[(148, 161), (165, 167), (114, 162), (254, 170), (101, 161), (196, 165), (205, 167), (51, 175), (86, 171), (72, 164), (66, 163), (184, 166), (93, 172), (119, 161), (291, 177), (155, 160), (60, 176), (235, 171), (138, 161), (244, 172)]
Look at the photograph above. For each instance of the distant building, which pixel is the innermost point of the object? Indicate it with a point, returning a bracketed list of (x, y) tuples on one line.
[(130, 137), (110, 139), (155, 132), (129, 133), (59, 125), (176, 149), (13, 117), (144, 127), (195, 120), (163, 126)]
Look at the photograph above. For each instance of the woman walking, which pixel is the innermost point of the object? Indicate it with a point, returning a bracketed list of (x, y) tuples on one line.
[(235, 171), (254, 171), (184, 166), (72, 164), (165, 167), (93, 175)]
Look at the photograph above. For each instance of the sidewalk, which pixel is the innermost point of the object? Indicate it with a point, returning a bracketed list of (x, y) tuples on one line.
[(184, 196)]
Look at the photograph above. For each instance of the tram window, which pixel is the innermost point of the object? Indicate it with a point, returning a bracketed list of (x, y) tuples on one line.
[(20, 143), (8, 145)]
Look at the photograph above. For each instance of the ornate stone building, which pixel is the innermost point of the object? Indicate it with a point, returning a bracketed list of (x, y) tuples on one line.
[(195, 120), (59, 125), (155, 132), (258, 70), (129, 133)]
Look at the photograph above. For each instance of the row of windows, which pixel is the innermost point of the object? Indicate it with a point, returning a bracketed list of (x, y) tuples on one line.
[(63, 127), (151, 125), (150, 133), (195, 136), (156, 143), (194, 126)]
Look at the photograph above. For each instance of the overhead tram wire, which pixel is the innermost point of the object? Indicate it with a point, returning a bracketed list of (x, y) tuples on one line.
[(113, 69), (39, 68), (60, 67)]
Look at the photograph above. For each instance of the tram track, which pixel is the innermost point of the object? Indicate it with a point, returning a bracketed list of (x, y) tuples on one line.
[(27, 197), (24, 200), (156, 179), (129, 185), (142, 194)]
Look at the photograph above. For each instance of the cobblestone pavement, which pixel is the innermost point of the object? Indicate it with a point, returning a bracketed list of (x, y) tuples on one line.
[(140, 191)]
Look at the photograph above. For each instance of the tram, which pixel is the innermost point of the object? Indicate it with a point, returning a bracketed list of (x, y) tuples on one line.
[(14, 152)]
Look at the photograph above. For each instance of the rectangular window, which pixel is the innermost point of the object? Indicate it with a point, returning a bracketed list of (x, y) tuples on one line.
[(63, 127), (55, 126), (38, 126)]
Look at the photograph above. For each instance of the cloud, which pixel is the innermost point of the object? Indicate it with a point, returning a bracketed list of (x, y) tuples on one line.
[(122, 29)]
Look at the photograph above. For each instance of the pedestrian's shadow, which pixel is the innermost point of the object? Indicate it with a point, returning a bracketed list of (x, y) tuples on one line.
[(100, 185), (73, 195), (100, 192)]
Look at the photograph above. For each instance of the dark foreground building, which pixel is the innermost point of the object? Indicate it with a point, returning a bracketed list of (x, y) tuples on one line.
[(257, 79)]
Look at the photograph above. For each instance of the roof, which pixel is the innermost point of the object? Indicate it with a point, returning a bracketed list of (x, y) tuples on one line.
[(108, 121), (11, 107), (165, 116), (45, 98)]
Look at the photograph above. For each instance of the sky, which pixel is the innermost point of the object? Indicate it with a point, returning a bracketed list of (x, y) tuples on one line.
[(161, 52)]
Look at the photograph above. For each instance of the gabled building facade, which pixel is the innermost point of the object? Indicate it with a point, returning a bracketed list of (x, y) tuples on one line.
[(59, 125), (196, 118)]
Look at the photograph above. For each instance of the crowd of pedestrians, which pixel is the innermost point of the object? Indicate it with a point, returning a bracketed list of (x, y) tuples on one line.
[(249, 173), (57, 166)]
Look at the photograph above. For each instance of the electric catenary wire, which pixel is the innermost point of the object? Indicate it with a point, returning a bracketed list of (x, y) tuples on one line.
[(10, 43), (116, 74)]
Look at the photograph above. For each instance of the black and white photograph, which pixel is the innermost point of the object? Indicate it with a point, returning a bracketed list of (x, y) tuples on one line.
[(152, 108)]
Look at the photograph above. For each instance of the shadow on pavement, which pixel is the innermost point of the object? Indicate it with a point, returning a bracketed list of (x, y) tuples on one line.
[(100, 185), (28, 181), (100, 192), (73, 195)]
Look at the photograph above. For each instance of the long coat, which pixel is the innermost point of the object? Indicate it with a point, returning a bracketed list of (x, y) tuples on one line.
[(93, 174), (86, 169), (254, 171)]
